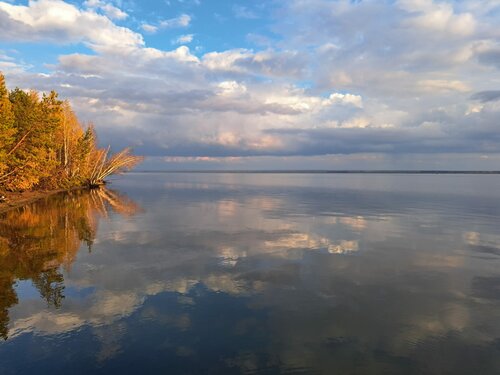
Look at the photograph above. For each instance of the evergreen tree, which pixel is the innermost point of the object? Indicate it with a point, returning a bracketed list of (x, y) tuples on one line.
[(32, 156)]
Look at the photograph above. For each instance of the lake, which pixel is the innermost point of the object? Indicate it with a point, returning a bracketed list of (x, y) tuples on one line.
[(185, 273)]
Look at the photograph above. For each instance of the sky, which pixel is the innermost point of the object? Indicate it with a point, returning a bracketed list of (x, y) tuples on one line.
[(270, 84)]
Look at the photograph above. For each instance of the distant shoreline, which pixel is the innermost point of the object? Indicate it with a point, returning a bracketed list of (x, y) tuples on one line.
[(347, 171)]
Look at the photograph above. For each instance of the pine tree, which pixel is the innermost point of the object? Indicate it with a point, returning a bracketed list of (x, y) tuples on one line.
[(28, 156)]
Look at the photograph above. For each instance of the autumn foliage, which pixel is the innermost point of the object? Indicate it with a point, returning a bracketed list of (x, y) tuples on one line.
[(44, 146)]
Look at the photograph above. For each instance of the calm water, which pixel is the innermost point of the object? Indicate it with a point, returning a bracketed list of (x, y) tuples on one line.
[(255, 273)]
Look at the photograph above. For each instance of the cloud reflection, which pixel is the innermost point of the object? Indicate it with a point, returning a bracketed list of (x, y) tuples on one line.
[(320, 274)]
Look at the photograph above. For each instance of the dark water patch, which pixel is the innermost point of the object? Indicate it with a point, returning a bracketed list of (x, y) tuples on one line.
[(486, 287), (485, 249)]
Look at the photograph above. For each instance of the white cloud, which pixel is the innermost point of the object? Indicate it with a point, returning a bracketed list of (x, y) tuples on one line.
[(443, 85), (268, 63), (231, 88), (182, 53), (149, 28), (109, 10), (181, 21), (60, 22), (184, 39), (225, 60), (438, 17), (114, 12), (349, 99)]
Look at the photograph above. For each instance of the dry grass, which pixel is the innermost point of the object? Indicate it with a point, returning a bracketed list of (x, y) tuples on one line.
[(104, 166)]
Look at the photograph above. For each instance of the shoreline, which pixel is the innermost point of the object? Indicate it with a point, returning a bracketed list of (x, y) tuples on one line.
[(16, 200)]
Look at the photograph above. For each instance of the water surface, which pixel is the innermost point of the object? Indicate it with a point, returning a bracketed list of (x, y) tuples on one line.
[(255, 273)]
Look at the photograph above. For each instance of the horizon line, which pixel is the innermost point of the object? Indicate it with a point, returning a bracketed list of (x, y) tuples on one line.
[(326, 171)]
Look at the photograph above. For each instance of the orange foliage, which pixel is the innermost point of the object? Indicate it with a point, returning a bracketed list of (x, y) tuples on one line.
[(43, 145)]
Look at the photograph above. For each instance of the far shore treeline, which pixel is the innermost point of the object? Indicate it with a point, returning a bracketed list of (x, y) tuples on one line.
[(44, 146)]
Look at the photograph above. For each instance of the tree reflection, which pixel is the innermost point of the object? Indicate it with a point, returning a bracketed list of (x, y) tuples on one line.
[(39, 239)]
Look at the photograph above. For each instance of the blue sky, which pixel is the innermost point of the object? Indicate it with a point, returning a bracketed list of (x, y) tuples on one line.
[(213, 26), (206, 84)]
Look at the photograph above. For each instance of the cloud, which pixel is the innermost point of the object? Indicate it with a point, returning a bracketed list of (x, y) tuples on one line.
[(184, 39), (62, 23), (438, 17), (181, 21), (149, 28), (269, 63), (434, 85), (349, 99), (381, 77), (109, 10)]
